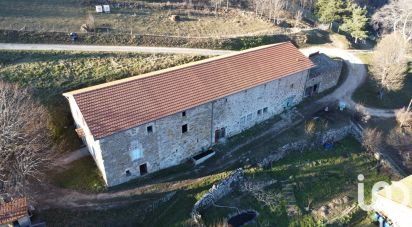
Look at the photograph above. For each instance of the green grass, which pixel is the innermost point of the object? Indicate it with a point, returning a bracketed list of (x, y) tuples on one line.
[(340, 41), (49, 74), (367, 93), (81, 175), (319, 174), (141, 211)]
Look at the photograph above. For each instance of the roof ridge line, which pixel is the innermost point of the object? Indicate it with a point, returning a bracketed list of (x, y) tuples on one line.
[(171, 69)]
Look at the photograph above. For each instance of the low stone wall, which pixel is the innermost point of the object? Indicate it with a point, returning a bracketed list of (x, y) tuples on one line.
[(332, 135), (384, 158), (110, 38), (216, 192)]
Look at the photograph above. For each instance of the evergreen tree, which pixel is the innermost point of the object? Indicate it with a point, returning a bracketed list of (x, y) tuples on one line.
[(329, 11), (355, 25)]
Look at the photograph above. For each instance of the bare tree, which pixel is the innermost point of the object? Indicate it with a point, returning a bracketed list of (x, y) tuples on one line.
[(217, 4), (276, 8), (372, 140), (361, 114), (404, 117), (310, 128), (270, 199), (396, 16), (403, 20), (389, 63), (90, 22), (298, 17), (397, 137), (24, 139)]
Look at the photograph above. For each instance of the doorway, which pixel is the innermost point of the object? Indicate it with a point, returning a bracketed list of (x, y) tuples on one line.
[(143, 169), (219, 134)]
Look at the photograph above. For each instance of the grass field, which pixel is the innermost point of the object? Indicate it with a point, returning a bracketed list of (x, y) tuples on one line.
[(69, 15), (318, 175), (339, 167), (81, 175), (367, 93), (49, 74)]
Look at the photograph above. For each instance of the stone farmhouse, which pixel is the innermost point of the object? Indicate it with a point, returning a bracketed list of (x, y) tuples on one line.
[(145, 123)]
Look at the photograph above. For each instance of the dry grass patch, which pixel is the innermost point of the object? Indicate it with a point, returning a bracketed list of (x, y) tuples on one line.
[(69, 15)]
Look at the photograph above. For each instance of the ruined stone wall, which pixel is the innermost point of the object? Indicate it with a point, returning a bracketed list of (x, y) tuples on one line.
[(331, 135), (239, 111), (215, 193)]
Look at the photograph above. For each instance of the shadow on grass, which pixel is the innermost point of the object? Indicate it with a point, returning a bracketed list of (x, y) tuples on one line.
[(368, 93), (82, 175)]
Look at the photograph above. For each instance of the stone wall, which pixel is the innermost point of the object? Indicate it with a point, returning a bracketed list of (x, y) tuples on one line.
[(164, 146), (219, 190), (167, 146), (92, 145), (326, 73), (332, 135), (243, 110)]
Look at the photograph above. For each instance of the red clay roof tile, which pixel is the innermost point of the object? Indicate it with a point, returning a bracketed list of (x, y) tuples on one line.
[(127, 103), (12, 211)]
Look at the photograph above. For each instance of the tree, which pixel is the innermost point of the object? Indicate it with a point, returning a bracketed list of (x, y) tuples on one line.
[(396, 16), (24, 139), (310, 128), (276, 7), (404, 116), (298, 17), (355, 25), (217, 3), (389, 63), (329, 11), (372, 139)]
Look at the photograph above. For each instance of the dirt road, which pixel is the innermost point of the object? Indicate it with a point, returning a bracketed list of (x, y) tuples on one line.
[(93, 48), (357, 73)]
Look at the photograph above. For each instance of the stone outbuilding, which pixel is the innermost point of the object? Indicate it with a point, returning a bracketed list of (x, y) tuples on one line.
[(324, 76), (145, 123)]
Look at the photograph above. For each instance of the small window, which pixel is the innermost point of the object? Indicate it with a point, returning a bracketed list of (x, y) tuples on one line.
[(128, 173), (184, 128), (150, 129), (143, 169), (292, 85), (184, 114), (265, 110), (259, 112)]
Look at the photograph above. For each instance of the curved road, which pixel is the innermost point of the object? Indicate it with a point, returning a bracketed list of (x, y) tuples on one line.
[(68, 198), (357, 73)]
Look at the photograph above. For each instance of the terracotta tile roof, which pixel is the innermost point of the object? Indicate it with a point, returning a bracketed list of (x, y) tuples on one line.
[(127, 103), (12, 211)]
